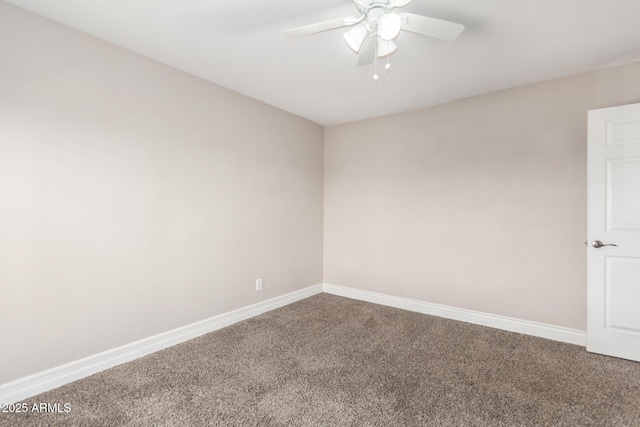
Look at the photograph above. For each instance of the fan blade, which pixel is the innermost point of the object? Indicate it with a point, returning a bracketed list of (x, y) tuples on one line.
[(431, 27), (367, 51), (399, 3), (362, 3), (305, 30)]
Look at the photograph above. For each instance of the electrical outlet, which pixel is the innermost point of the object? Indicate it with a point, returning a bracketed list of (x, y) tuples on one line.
[(258, 284)]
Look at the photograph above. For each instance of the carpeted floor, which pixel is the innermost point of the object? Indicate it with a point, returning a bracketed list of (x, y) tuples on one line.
[(332, 361)]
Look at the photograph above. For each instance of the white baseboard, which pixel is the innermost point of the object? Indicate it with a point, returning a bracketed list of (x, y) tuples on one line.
[(43, 381), (542, 330)]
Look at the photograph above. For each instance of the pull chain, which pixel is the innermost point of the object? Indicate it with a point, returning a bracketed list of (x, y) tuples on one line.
[(375, 62)]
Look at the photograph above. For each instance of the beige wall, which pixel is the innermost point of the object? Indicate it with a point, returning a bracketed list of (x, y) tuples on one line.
[(478, 204), (135, 198)]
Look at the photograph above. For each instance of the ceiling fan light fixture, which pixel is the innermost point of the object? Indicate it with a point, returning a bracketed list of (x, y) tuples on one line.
[(355, 36), (389, 26), (372, 34)]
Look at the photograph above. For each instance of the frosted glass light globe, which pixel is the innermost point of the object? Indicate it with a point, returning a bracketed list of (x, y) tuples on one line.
[(355, 36), (389, 26)]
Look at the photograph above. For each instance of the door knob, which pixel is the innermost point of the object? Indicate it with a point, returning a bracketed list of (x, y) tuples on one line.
[(598, 244)]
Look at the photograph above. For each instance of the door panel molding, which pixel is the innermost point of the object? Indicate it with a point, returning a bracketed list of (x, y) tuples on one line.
[(613, 217)]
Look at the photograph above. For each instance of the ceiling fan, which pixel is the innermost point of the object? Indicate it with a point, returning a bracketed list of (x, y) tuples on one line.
[(374, 31)]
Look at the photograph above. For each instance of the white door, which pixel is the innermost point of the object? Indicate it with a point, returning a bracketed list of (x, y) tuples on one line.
[(613, 272)]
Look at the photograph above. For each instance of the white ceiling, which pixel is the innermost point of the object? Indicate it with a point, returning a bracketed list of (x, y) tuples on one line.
[(239, 44)]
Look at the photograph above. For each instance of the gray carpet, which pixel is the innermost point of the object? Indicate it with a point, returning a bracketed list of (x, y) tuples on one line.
[(332, 361)]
